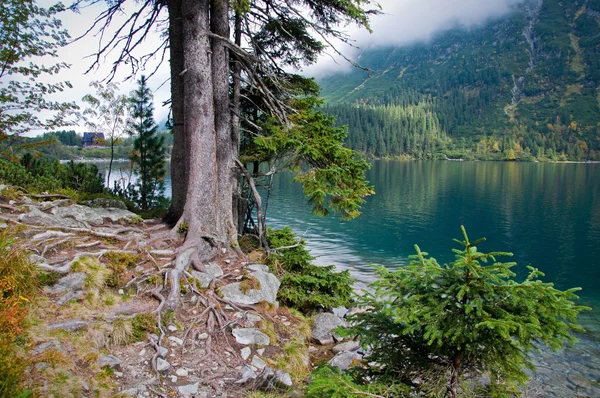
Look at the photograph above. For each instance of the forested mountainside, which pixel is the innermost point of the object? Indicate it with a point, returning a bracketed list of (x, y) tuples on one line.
[(522, 87)]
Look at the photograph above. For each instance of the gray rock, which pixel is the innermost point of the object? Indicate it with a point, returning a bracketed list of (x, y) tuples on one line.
[(75, 216), (213, 269), (162, 365), (245, 353), (340, 311), (69, 326), (323, 325), (250, 336), (347, 346), (106, 203), (258, 363), (344, 360), (182, 372), (70, 282), (48, 346), (163, 351), (247, 374), (277, 378), (188, 389), (109, 360), (257, 267), (211, 272), (203, 278), (269, 286), (65, 298), (3, 225), (85, 215), (175, 340), (37, 217)]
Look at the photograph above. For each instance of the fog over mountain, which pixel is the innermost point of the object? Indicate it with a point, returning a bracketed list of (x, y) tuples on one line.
[(406, 22)]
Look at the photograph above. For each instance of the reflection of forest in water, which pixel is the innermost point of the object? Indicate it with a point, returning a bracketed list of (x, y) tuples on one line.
[(548, 214)]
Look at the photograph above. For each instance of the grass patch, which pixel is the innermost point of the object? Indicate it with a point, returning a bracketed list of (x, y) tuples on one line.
[(294, 359)]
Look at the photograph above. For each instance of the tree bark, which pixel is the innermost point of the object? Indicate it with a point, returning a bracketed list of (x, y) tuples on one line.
[(219, 22), (238, 202), (454, 382), (180, 152)]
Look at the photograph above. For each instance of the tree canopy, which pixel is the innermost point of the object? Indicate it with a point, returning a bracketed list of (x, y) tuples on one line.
[(28, 32)]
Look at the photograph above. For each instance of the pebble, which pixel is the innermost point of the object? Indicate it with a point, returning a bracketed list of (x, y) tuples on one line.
[(175, 340), (246, 351), (172, 328), (188, 389), (203, 336), (181, 372), (258, 362)]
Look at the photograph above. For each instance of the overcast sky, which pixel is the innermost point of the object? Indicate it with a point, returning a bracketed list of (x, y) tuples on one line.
[(403, 22)]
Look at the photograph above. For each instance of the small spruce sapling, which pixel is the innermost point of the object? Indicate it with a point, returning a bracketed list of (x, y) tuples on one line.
[(450, 323)]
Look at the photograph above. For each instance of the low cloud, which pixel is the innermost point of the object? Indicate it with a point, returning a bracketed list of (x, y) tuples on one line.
[(407, 22)]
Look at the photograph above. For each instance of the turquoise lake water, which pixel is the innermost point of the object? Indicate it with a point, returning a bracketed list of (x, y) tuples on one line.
[(547, 214)]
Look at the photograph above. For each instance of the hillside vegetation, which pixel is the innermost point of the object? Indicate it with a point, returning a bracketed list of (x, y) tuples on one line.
[(523, 87)]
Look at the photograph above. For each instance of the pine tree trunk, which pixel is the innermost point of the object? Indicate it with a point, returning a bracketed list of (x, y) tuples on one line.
[(219, 18), (238, 202), (453, 384), (180, 153), (204, 210)]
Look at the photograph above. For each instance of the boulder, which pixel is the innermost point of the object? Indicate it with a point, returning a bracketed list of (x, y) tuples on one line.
[(259, 286), (106, 203), (344, 360), (71, 282), (75, 216), (37, 217), (347, 346), (248, 336), (323, 325)]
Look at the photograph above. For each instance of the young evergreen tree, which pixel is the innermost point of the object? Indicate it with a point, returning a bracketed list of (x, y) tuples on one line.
[(148, 155), (460, 320)]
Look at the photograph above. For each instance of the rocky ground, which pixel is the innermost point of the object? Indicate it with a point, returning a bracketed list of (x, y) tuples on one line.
[(99, 328)]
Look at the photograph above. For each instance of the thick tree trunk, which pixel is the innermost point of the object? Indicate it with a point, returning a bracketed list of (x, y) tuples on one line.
[(219, 18), (180, 153), (238, 201)]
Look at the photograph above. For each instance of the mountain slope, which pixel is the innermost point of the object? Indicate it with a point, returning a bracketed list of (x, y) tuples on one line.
[(527, 83)]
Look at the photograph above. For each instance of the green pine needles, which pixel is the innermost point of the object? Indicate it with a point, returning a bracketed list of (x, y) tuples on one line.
[(445, 328)]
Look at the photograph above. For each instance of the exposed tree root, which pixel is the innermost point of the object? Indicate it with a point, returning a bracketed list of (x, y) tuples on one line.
[(65, 268)]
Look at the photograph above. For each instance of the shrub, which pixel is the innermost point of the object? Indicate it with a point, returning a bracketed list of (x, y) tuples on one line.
[(448, 323), (305, 286), (18, 284)]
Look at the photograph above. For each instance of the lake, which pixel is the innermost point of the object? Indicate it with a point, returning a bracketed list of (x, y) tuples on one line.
[(547, 214)]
